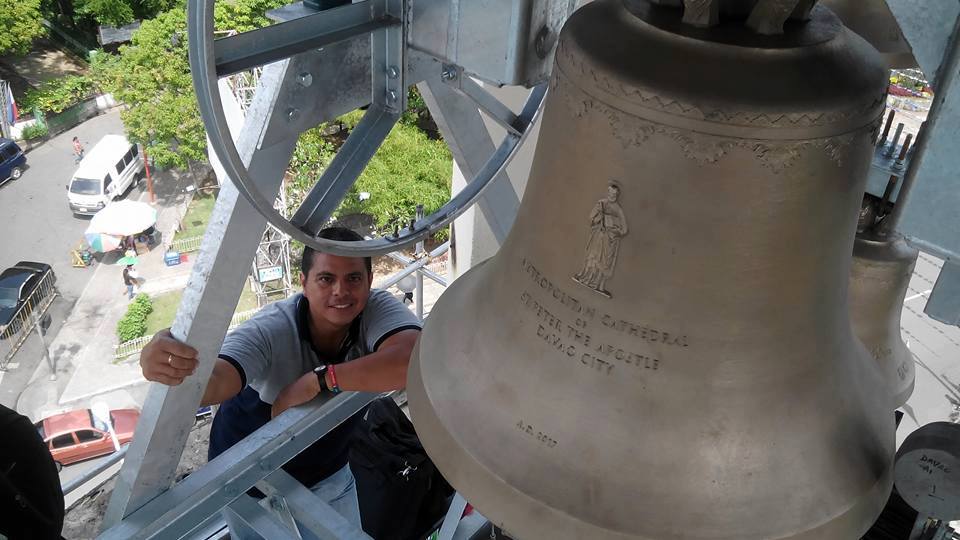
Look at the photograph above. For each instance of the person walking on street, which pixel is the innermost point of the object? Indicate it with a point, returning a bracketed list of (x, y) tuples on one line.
[(77, 150), (129, 279)]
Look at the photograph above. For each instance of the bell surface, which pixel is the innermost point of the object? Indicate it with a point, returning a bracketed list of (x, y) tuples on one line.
[(662, 348), (879, 277)]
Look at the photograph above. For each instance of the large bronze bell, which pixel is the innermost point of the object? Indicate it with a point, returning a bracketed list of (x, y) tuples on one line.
[(662, 347), (879, 277)]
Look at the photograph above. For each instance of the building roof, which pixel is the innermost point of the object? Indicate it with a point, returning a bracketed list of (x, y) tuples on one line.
[(111, 34)]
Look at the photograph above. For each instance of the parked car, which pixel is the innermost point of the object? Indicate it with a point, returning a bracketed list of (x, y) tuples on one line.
[(12, 160), (17, 284), (78, 435)]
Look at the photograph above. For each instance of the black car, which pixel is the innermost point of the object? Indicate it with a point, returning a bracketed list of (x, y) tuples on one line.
[(17, 284), (12, 160)]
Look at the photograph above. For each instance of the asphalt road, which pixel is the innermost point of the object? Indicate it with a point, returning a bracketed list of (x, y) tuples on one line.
[(39, 226)]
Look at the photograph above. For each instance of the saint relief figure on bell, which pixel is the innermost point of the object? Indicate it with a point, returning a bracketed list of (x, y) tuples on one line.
[(607, 226)]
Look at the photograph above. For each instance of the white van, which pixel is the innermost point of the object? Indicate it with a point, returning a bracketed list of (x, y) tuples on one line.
[(106, 172)]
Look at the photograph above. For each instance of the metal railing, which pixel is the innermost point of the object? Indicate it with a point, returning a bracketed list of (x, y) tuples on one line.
[(186, 245), (72, 485), (134, 346), (127, 348), (26, 319)]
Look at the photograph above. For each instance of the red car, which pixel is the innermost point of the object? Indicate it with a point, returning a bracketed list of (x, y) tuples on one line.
[(78, 435)]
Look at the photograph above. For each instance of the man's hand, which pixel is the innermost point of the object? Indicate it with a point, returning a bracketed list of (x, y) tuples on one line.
[(296, 393), (166, 360)]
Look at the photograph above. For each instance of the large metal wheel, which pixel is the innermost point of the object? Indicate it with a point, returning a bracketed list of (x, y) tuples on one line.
[(391, 74)]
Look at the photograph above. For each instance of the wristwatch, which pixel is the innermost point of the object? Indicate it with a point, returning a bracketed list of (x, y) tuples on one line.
[(321, 372)]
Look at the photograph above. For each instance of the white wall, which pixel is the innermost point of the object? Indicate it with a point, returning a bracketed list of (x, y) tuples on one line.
[(475, 241)]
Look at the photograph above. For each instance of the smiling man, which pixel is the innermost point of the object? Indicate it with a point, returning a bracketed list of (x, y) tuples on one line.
[(338, 334)]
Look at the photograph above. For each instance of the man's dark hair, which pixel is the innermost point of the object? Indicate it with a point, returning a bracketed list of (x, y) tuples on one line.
[(341, 234)]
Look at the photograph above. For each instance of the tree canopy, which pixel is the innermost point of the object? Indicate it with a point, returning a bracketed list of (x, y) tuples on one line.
[(20, 21), (151, 76), (109, 12), (408, 169)]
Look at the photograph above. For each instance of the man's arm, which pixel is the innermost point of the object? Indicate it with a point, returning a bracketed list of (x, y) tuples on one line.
[(168, 361), (380, 371)]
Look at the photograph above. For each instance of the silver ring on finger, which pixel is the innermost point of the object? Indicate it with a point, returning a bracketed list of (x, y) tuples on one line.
[(170, 359)]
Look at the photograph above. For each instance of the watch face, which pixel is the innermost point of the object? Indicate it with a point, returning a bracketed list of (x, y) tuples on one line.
[(321, 372)]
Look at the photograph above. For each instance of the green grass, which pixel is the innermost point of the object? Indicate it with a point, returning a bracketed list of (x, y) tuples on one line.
[(165, 308), (198, 215), (164, 311)]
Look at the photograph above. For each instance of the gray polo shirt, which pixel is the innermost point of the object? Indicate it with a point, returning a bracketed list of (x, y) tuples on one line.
[(273, 348)]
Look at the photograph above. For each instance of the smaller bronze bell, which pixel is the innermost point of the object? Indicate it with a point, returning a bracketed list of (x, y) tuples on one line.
[(879, 276)]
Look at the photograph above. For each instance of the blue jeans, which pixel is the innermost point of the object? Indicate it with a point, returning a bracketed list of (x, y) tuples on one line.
[(338, 490), (130, 292)]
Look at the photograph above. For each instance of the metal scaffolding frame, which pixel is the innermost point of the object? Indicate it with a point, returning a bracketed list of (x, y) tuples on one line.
[(271, 264)]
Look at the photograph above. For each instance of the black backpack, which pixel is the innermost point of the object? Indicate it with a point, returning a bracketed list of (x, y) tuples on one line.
[(400, 492)]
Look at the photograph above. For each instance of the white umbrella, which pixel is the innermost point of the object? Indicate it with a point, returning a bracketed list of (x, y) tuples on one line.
[(123, 218)]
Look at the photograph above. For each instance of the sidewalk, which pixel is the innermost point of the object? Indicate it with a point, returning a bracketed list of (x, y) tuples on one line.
[(83, 349)]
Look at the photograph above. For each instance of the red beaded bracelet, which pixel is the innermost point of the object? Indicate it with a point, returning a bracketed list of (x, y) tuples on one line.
[(334, 387)]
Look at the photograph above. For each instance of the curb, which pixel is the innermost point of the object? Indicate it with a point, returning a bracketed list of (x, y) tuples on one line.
[(106, 390)]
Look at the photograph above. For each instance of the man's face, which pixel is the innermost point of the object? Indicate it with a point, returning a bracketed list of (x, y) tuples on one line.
[(337, 289), (613, 194)]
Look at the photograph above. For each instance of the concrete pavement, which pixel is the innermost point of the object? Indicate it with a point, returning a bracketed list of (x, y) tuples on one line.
[(41, 227), (84, 345)]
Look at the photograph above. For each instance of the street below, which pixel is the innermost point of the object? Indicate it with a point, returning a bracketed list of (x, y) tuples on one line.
[(42, 228)]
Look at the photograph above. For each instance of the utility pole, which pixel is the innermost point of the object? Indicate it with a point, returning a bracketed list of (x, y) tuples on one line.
[(43, 345), (146, 168)]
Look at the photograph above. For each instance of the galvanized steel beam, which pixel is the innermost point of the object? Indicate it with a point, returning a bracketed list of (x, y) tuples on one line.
[(928, 26), (228, 247), (464, 131), (494, 109), (188, 504), (343, 171), (926, 212), (506, 42), (388, 59), (311, 514), (259, 520), (280, 41)]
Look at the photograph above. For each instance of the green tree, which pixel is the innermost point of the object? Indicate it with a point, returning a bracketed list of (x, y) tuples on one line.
[(109, 12), (55, 95), (244, 15), (152, 77), (85, 14), (408, 169), (20, 24)]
